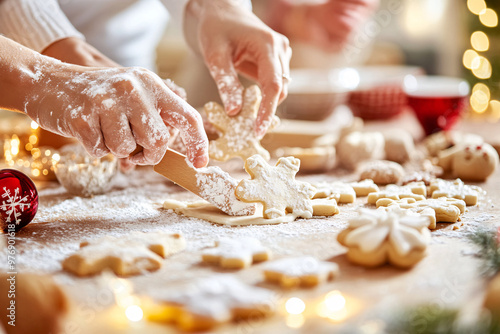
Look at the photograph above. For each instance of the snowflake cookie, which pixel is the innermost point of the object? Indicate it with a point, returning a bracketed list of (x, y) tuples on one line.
[(237, 133), (276, 188), (448, 210), (377, 237), (304, 271), (128, 255), (455, 189), (415, 190), (236, 253), (210, 301), (340, 191)]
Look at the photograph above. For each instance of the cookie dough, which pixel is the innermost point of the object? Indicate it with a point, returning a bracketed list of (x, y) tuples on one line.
[(381, 172), (302, 271), (128, 255)]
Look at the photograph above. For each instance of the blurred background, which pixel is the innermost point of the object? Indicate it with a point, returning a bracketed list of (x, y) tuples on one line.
[(457, 38), (446, 37)]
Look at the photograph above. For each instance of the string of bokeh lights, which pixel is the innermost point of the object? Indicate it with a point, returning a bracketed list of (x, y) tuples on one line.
[(475, 60)]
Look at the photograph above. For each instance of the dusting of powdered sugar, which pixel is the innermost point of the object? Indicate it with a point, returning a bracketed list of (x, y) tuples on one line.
[(218, 187)]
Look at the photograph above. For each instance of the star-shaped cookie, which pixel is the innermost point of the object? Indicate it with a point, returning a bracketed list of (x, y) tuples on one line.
[(128, 255), (276, 188), (210, 301), (304, 271), (236, 253), (237, 133)]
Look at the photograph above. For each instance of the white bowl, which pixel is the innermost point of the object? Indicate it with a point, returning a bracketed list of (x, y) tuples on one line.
[(313, 94)]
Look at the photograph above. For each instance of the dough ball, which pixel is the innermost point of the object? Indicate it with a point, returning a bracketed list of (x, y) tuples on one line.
[(360, 146), (382, 172), (399, 146), (475, 163)]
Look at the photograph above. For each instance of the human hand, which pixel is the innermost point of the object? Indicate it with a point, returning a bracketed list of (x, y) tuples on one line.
[(74, 50), (115, 109), (327, 24), (233, 40)]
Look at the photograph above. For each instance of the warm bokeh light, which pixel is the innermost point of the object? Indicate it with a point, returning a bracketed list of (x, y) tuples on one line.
[(479, 101), (481, 68), (34, 125), (479, 41), (476, 6), (134, 313), (495, 109), (295, 320), (333, 307), (334, 301), (489, 18), (469, 58), (295, 305)]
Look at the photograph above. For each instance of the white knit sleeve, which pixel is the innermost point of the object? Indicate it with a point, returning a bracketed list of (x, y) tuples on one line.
[(35, 23)]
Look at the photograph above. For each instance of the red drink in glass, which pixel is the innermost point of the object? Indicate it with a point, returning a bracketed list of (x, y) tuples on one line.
[(438, 102)]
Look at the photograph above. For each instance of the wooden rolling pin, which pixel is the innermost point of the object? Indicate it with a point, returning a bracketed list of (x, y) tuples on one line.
[(210, 183)]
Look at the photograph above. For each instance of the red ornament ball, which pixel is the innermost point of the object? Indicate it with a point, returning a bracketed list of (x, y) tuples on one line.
[(18, 200)]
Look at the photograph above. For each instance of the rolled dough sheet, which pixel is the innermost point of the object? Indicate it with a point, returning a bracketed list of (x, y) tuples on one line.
[(206, 211)]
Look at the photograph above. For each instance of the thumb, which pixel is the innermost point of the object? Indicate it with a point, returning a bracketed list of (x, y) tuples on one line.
[(230, 89)]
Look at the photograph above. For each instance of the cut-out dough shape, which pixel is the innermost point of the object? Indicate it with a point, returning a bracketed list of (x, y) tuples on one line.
[(236, 253), (364, 187), (377, 237), (237, 133), (275, 188), (302, 271), (455, 189), (203, 210), (210, 301), (416, 190), (381, 171), (447, 210), (341, 192), (128, 255)]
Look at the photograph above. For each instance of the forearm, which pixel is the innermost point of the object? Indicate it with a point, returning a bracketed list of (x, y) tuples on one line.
[(22, 72)]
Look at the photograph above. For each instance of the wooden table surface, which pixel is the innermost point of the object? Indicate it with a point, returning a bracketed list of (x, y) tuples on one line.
[(448, 277)]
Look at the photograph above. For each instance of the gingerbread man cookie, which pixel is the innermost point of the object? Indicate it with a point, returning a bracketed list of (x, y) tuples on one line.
[(210, 301), (377, 237), (276, 188), (302, 271), (340, 191), (129, 255), (448, 210), (236, 253), (415, 190), (237, 133), (470, 163), (455, 189)]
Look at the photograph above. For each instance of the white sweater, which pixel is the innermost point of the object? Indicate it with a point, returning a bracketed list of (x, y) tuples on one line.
[(126, 31)]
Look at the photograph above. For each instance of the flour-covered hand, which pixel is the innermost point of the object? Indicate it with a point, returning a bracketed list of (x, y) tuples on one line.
[(233, 40), (113, 110)]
